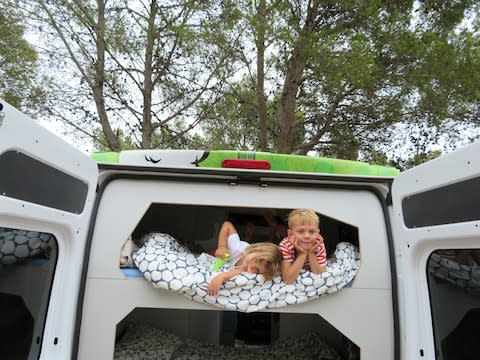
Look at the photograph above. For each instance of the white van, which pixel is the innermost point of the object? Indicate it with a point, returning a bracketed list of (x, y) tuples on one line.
[(63, 294)]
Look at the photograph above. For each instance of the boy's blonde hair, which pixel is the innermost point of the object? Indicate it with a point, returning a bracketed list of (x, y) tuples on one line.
[(267, 252), (303, 217)]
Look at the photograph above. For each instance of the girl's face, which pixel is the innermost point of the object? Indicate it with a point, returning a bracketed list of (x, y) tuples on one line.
[(254, 265)]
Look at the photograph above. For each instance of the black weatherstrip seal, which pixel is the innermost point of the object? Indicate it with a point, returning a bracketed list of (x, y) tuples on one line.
[(239, 177)]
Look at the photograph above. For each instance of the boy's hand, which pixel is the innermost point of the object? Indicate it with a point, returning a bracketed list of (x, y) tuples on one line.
[(221, 251), (318, 243), (296, 244), (214, 285), (318, 237)]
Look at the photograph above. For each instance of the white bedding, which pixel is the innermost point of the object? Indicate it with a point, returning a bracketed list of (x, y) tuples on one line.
[(170, 266)]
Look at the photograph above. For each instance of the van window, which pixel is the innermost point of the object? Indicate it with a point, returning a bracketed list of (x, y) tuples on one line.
[(27, 263), (454, 286)]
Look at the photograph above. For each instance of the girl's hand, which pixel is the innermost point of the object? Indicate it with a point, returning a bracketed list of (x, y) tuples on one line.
[(221, 251), (215, 285)]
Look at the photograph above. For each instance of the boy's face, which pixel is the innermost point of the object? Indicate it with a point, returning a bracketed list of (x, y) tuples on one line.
[(304, 234)]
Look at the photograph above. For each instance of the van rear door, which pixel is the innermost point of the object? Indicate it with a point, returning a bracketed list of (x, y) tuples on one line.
[(436, 231), (47, 191)]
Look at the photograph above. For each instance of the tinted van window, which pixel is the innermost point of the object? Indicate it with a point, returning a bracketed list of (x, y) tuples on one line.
[(454, 285), (27, 263)]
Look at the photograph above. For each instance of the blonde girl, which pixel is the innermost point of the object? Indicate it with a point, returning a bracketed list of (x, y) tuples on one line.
[(260, 258)]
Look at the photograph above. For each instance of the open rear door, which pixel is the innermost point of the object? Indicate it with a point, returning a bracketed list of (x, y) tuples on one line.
[(47, 191), (436, 230)]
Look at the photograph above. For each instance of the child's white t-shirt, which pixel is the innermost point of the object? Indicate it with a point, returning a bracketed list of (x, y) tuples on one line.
[(236, 247)]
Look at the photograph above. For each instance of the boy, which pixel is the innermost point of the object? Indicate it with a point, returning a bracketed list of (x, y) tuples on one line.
[(303, 248)]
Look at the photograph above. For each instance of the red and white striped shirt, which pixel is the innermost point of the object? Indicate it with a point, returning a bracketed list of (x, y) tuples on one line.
[(288, 254)]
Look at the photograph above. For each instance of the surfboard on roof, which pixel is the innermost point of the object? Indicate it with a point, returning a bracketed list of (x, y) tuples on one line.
[(215, 158)]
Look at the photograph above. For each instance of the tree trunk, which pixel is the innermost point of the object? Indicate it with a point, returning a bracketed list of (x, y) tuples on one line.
[(147, 129), (288, 101), (97, 88), (294, 78), (262, 102)]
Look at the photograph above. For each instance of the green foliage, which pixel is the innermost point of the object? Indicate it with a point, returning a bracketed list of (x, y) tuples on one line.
[(442, 16), (416, 159), (100, 143), (352, 69), (141, 70), (377, 158), (18, 62), (232, 123), (343, 144), (361, 79), (174, 137)]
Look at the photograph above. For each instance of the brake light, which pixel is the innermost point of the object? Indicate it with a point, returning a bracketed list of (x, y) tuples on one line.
[(246, 164)]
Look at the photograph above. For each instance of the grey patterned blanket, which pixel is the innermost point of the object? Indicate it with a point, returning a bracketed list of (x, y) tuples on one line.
[(169, 265), (145, 342), (463, 276), (19, 245)]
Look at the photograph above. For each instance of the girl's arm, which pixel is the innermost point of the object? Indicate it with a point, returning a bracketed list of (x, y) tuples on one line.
[(225, 231), (217, 281)]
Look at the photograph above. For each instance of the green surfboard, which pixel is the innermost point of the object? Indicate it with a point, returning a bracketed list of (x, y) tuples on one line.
[(214, 158)]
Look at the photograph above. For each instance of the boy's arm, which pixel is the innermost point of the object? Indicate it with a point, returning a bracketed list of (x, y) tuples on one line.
[(217, 281), (315, 267), (318, 262), (290, 271)]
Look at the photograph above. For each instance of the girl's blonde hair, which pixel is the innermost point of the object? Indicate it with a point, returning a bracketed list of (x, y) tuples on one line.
[(303, 217), (268, 253)]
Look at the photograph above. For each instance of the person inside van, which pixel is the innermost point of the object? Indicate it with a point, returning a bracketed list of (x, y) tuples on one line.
[(278, 228), (303, 248), (460, 256), (260, 258)]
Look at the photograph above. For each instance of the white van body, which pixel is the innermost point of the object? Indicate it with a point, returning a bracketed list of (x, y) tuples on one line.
[(386, 312)]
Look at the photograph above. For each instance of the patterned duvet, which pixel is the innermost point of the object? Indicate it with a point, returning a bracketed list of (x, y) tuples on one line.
[(170, 266)]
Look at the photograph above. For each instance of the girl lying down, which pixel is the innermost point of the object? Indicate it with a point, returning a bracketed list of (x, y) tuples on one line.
[(260, 258)]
